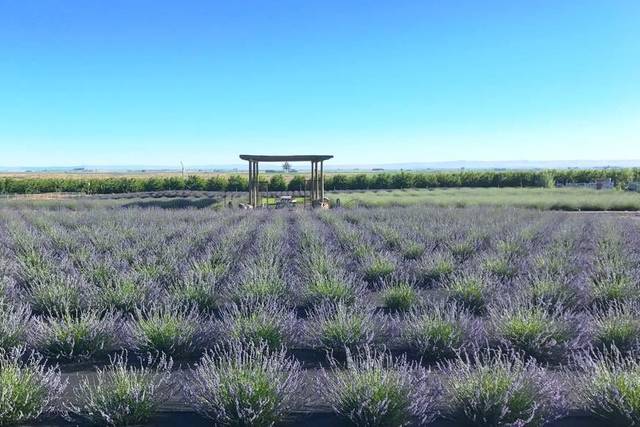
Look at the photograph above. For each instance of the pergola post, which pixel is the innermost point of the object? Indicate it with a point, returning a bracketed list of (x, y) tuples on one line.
[(322, 180), (317, 182), (250, 181), (253, 183), (314, 196), (257, 184)]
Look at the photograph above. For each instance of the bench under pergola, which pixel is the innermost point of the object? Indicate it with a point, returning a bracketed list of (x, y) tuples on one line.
[(317, 173)]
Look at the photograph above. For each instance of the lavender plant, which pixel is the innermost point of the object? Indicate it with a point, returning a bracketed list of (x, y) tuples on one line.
[(125, 295), (123, 394), (173, 330), (15, 321), (400, 297), (338, 326), (378, 268), (332, 290), (58, 295), (265, 322), (435, 268), (376, 389), (609, 386), (487, 387), (28, 388), (245, 384), (616, 326), (77, 336), (196, 291), (438, 331), (533, 330), (471, 292)]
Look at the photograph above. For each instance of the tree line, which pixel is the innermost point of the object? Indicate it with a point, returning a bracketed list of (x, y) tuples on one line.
[(384, 180)]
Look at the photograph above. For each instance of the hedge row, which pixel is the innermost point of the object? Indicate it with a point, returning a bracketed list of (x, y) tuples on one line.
[(547, 178)]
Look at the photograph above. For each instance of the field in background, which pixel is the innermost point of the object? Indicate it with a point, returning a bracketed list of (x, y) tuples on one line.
[(571, 199), (237, 181), (567, 199)]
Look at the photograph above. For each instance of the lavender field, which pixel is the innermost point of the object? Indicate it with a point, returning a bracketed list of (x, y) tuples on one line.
[(384, 316)]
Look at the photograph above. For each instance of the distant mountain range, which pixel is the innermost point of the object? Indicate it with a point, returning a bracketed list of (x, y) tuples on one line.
[(451, 165)]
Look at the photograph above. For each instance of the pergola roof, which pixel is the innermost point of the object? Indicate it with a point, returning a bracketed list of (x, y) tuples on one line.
[(300, 158)]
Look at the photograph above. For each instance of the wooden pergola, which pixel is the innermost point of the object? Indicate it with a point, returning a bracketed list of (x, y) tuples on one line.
[(317, 173)]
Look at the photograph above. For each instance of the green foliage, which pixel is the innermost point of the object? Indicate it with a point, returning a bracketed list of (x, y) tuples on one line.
[(610, 387), (618, 326), (438, 332), (277, 183), (174, 331), (245, 385), (327, 289), (375, 390), (388, 180), (28, 389), (296, 183), (399, 297), (471, 293), (121, 394), (76, 336), (496, 389), (378, 268)]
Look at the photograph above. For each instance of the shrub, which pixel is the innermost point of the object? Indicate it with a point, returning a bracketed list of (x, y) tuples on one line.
[(123, 295), (471, 293), (122, 394), (609, 387), (175, 331), (617, 326), (330, 290), (533, 330), (337, 326), (378, 268), (14, 324), (267, 322), (245, 385), (377, 390), (500, 267), (463, 250), (57, 296), (434, 269), (413, 250), (439, 331), (614, 288), (78, 336), (198, 293), (400, 297), (28, 389), (552, 293), (495, 388), (259, 285)]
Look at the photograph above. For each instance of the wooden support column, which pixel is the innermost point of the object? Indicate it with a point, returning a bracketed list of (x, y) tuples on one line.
[(322, 180), (317, 182), (312, 187), (257, 185), (250, 186)]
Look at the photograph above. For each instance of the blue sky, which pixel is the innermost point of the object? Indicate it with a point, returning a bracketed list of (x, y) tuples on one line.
[(153, 82)]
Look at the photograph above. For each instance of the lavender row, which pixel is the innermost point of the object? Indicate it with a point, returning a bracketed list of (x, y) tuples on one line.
[(239, 384)]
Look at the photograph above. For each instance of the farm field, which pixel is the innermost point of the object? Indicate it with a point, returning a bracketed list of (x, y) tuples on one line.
[(566, 199), (372, 316), (563, 199)]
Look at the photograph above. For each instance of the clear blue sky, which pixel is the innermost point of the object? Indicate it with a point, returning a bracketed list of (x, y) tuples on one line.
[(153, 82)]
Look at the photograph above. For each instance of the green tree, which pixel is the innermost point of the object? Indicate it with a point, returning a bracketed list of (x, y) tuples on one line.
[(277, 183), (296, 183)]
